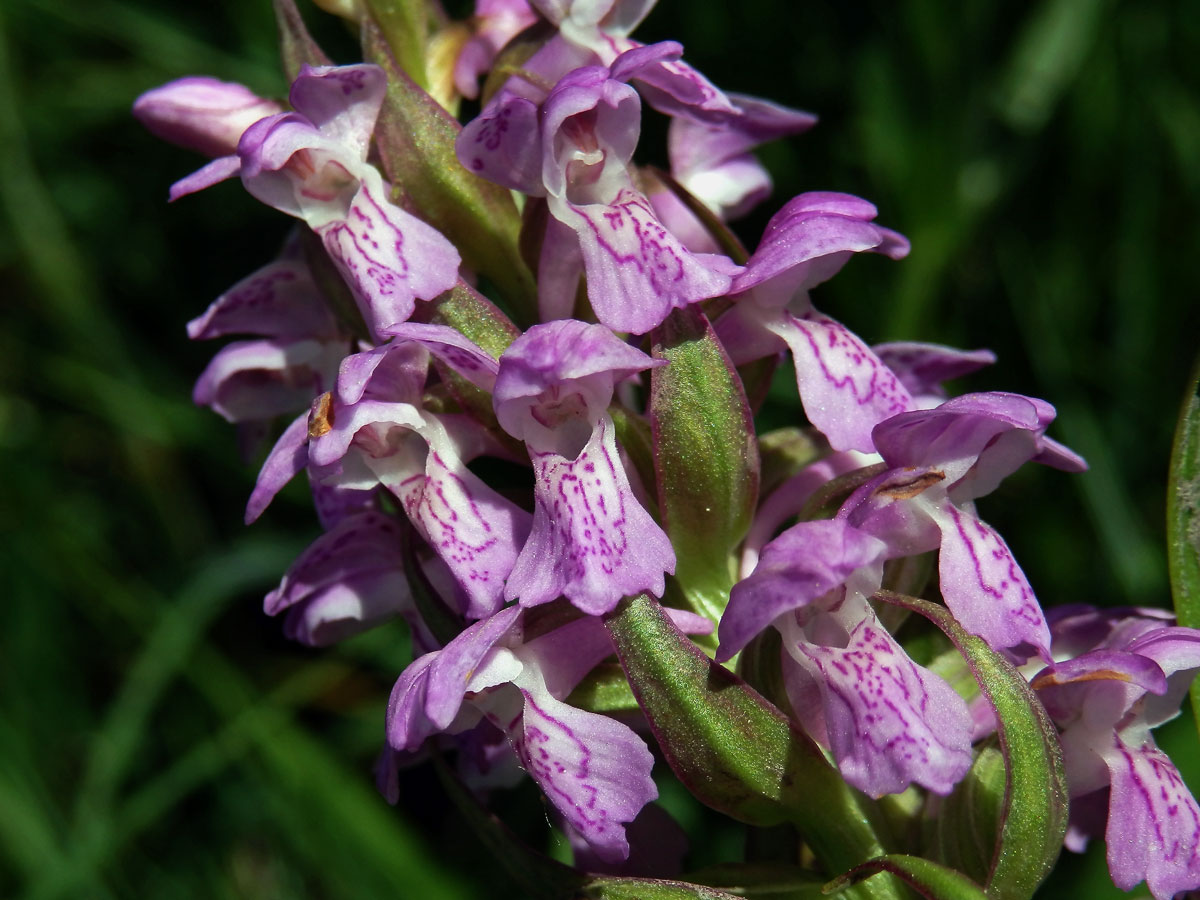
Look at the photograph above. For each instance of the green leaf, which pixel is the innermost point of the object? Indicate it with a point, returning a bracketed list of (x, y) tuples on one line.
[(929, 879), (705, 456), (405, 27), (1183, 516), (296, 46), (650, 889), (473, 316), (416, 136), (730, 748), (962, 828), (605, 690), (1033, 819), (762, 881)]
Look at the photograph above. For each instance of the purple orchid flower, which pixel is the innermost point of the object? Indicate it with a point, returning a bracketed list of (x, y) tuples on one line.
[(597, 33), (297, 357), (845, 388), (591, 539), (888, 721), (202, 114), (494, 24), (574, 146), (941, 460), (712, 160), (922, 368), (371, 431), (351, 579), (593, 770), (311, 164), (1105, 702)]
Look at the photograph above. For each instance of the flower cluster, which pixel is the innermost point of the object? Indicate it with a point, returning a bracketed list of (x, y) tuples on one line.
[(402, 371)]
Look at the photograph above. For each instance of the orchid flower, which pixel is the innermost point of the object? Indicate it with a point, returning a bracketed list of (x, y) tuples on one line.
[(595, 771), (494, 24), (845, 388), (1106, 700), (296, 357), (574, 146), (312, 164), (202, 113), (349, 580), (371, 431), (939, 461), (888, 721), (591, 539)]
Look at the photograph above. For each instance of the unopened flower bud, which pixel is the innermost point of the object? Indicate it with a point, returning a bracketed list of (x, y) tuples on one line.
[(202, 114)]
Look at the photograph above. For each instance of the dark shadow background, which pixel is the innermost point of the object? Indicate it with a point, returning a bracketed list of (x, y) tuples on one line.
[(158, 737)]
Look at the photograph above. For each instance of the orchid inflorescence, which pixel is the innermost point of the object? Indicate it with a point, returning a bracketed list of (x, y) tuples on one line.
[(520, 289)]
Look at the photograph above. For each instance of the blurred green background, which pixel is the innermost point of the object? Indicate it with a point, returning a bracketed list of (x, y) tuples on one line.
[(158, 737)]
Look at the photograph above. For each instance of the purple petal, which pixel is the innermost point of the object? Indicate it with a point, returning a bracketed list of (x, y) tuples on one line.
[(280, 300), (630, 63), (388, 257), (454, 666), (220, 169), (1059, 456), (407, 722), (922, 368), (804, 563), (503, 144), (253, 380), (888, 721), (732, 188), (287, 457), (559, 269), (984, 587), (386, 436), (807, 243), (1153, 831), (595, 771), (591, 540), (955, 431), (672, 86), (700, 146), (637, 271), (590, 127), (202, 113), (556, 382), (362, 546), (495, 22), (473, 529), (289, 165), (454, 349), (393, 373), (340, 611), (1092, 693), (846, 390), (343, 102)]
